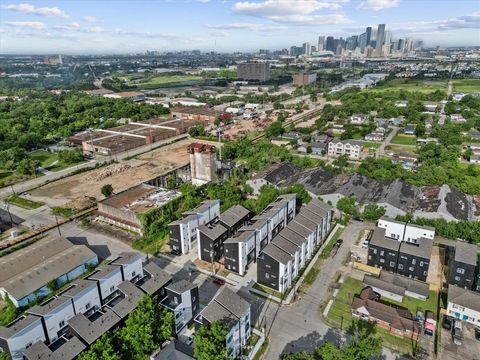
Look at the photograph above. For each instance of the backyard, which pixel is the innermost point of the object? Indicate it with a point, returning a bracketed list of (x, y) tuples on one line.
[(402, 139), (340, 314)]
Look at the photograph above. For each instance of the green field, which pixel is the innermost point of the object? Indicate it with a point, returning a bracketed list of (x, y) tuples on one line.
[(402, 149), (157, 81), (24, 203), (424, 86), (370, 144), (49, 160), (402, 139), (466, 85), (340, 316)]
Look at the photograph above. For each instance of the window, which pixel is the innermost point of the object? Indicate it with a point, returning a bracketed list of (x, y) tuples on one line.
[(375, 251), (382, 253), (226, 251), (382, 260), (410, 268), (61, 324), (457, 278), (267, 276), (421, 263), (460, 271), (414, 261), (400, 266), (133, 274), (87, 306), (112, 288), (392, 263)]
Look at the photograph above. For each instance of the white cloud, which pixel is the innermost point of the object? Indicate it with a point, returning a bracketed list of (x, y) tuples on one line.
[(299, 12), (90, 19), (71, 26), (95, 29), (31, 9), (461, 22), (203, 1), (245, 26), (37, 25), (377, 5)]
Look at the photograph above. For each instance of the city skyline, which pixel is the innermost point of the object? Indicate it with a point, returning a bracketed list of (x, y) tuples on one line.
[(88, 27)]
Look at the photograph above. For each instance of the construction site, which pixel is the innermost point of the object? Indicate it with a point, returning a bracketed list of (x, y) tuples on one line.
[(122, 176)]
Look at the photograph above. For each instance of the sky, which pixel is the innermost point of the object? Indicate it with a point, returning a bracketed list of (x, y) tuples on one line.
[(132, 26)]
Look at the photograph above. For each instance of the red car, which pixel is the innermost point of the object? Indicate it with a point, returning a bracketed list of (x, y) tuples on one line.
[(219, 281)]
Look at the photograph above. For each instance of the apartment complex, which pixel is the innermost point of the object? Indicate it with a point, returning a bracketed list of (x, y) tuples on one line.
[(183, 232), (290, 249), (351, 148), (25, 275), (70, 321), (463, 266), (257, 71), (233, 311), (401, 248)]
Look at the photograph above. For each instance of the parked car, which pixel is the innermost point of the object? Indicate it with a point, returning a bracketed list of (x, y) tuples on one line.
[(365, 243), (219, 281), (457, 336), (176, 252), (339, 242), (447, 323), (190, 341)]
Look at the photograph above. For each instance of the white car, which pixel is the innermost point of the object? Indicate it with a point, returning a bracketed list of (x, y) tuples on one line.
[(365, 243)]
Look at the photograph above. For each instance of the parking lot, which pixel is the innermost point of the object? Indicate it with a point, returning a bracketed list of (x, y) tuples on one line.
[(470, 348)]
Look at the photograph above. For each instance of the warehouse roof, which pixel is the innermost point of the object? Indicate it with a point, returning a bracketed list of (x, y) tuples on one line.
[(31, 279)]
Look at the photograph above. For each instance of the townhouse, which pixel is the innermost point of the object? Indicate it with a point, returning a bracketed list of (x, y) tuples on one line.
[(212, 236), (463, 304), (281, 260), (351, 148), (243, 248), (463, 266), (233, 311), (70, 321), (182, 299), (183, 232), (401, 248)]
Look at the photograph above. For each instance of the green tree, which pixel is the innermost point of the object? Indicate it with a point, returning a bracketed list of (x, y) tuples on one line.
[(196, 131), (373, 212), (328, 351), (274, 130), (302, 355), (70, 156), (107, 190), (102, 349), (348, 205), (28, 166), (363, 344), (210, 342)]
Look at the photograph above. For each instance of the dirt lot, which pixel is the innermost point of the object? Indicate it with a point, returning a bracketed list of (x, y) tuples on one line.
[(244, 127), (121, 176)]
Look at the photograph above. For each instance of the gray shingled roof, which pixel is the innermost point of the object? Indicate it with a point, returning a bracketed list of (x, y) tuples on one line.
[(129, 300), (379, 239), (277, 254), (241, 236), (285, 245), (233, 215), (213, 231), (49, 305), (17, 325), (216, 312), (373, 281), (233, 302), (66, 351), (412, 285), (125, 258), (90, 331), (305, 221), (466, 253), (292, 236), (424, 249), (77, 287), (158, 278), (181, 286), (463, 297), (299, 228), (104, 271)]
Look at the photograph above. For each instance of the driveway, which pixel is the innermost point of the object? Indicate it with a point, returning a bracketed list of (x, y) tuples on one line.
[(387, 141)]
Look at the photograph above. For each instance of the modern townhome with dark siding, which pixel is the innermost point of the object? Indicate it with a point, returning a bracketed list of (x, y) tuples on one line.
[(240, 251), (308, 235), (210, 241), (382, 251), (292, 250), (311, 227), (299, 241), (234, 218), (414, 260), (463, 266), (183, 232), (274, 268), (182, 299)]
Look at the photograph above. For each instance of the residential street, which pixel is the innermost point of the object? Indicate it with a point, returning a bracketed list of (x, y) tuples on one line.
[(387, 141), (298, 326)]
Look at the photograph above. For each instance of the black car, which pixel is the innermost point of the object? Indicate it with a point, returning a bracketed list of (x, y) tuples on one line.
[(339, 242), (447, 323), (477, 333), (176, 252)]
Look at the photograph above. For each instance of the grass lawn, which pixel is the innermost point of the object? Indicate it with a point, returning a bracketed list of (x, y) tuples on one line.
[(267, 290), (311, 276), (371, 144), (466, 85), (413, 304), (24, 203), (424, 86), (402, 139), (262, 350), (340, 316), (328, 248), (151, 246), (402, 149), (46, 158)]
